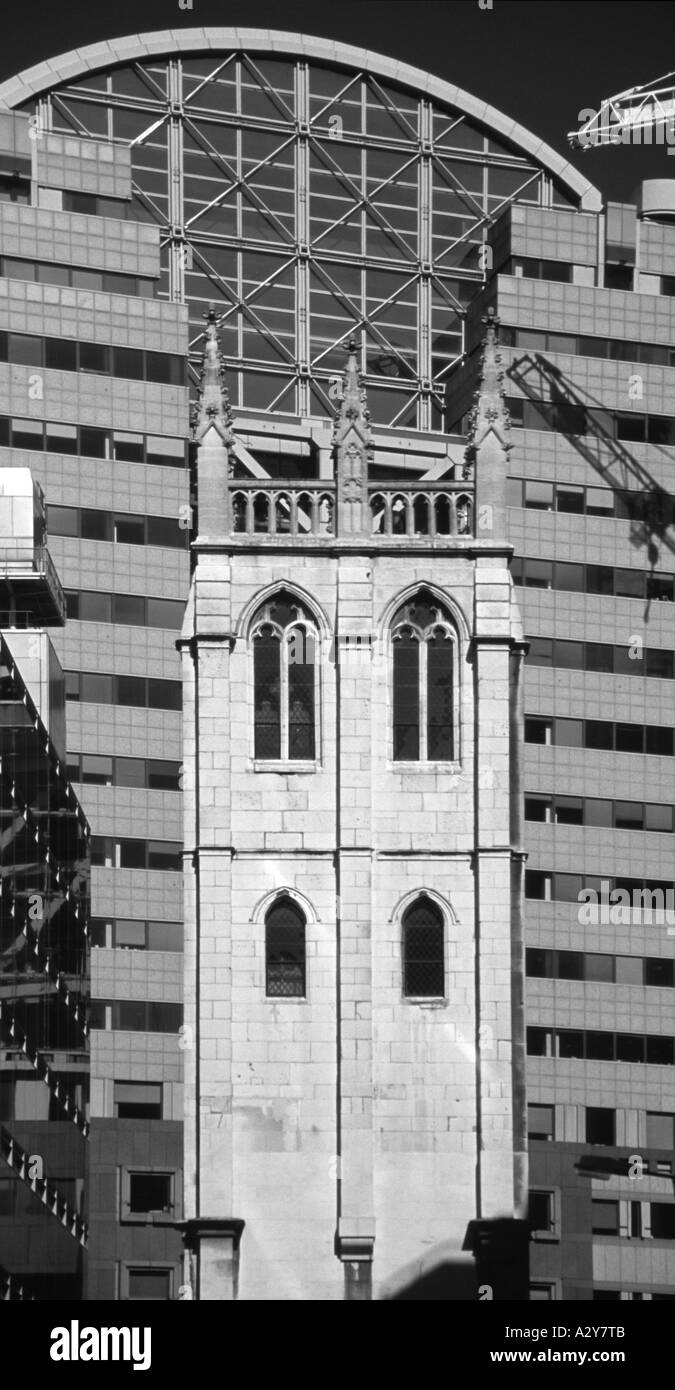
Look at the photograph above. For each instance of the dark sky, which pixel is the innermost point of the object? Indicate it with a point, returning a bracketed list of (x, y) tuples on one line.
[(540, 61)]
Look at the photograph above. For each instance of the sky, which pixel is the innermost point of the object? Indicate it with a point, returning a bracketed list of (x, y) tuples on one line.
[(539, 61)]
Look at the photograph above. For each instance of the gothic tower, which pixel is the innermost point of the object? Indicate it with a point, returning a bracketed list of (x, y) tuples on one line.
[(353, 1036)]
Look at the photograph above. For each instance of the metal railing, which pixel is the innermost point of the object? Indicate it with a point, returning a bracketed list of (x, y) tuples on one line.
[(19, 558)]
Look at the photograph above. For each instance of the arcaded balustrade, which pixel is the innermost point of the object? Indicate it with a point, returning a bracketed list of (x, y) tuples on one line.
[(430, 511), (282, 511)]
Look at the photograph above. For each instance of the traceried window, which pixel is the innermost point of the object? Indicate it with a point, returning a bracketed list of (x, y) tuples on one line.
[(423, 674), (423, 951), (285, 950), (285, 678)]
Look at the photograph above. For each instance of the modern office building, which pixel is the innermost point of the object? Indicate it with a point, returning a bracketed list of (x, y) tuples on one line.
[(44, 909), (312, 192)]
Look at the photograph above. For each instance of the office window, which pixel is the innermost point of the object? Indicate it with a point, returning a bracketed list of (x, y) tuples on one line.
[(62, 521), (148, 1283), (628, 970), (539, 962), (285, 675), (166, 855), (129, 935), (129, 609), (169, 613), (538, 730), (538, 496), (147, 1192), (27, 434), (660, 1130), (133, 854), (127, 446), (285, 950), (659, 972), (542, 1214), (162, 694), (571, 1043), (541, 651), (128, 362), (599, 1046), (129, 530), (662, 1220), (423, 661), (629, 738), (600, 1125), (165, 936), (539, 1042), (542, 1293), (537, 808), (95, 689), (570, 965), (541, 1122), (96, 770), (94, 443), (131, 690), (94, 357), (599, 967), (537, 884), (630, 1047), (137, 1100), (569, 733), (423, 951), (604, 1218), (163, 775), (165, 530), (162, 450), (25, 349), (95, 525), (94, 607), (61, 354)]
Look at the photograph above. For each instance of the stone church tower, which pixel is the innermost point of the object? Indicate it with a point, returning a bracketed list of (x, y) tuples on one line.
[(353, 1040)]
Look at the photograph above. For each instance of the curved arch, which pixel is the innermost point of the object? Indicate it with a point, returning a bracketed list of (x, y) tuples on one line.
[(445, 600), (408, 899), (68, 67), (267, 901), (263, 596)]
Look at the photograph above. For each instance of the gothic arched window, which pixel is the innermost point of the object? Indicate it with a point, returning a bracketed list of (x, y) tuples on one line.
[(284, 679), (423, 675), (285, 950), (423, 951)]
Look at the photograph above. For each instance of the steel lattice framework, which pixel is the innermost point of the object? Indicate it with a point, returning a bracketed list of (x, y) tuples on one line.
[(310, 200)]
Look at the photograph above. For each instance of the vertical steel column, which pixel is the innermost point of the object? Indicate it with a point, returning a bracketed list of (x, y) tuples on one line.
[(424, 252), (302, 241), (178, 249)]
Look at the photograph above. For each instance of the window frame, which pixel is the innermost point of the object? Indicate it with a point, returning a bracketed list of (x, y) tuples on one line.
[(409, 907), (552, 1232), (445, 623), (127, 1267), (153, 1216), (281, 899), (304, 623)]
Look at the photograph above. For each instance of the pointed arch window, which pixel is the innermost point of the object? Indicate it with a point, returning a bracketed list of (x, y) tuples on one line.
[(285, 950), (285, 675), (424, 648), (423, 951)]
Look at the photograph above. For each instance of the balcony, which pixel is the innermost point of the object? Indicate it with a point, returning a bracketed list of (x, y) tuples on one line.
[(31, 594)]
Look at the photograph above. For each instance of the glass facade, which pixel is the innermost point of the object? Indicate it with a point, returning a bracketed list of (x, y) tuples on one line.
[(309, 202), (44, 1053)]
